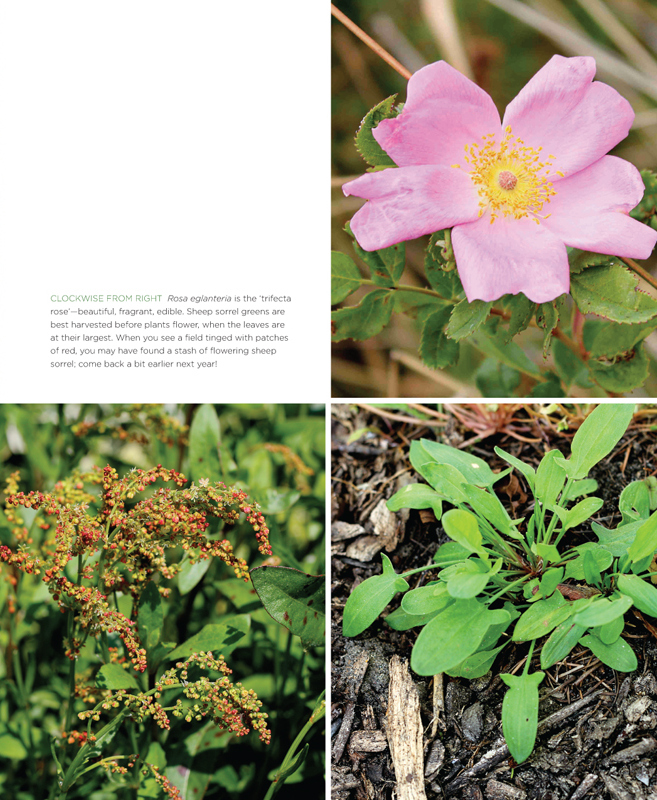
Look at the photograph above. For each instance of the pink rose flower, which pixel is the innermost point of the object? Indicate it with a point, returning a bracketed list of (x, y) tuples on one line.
[(515, 192)]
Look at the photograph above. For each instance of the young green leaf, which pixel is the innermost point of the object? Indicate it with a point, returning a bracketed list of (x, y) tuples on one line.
[(370, 597), (470, 578), (436, 350), (366, 319), (579, 513), (462, 527), (618, 655), (452, 636), (222, 638), (597, 436), (418, 496), (473, 469), (113, 677), (366, 144), (617, 542), (487, 505), (645, 542), (525, 469), (426, 599), (542, 617), (476, 665), (446, 480), (466, 318), (634, 502), (204, 438), (642, 593), (591, 572), (150, 617), (520, 713), (399, 620), (550, 478), (602, 611), (562, 640), (610, 631), (601, 556)]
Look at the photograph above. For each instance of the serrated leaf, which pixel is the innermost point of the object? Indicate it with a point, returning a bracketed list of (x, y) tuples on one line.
[(386, 265), (366, 319), (366, 144), (345, 277), (623, 374), (582, 259), (204, 437), (547, 318), (466, 318), (521, 309), (611, 291), (113, 676), (436, 350), (618, 655), (295, 600), (569, 366), (370, 597), (418, 496), (218, 638), (646, 211), (490, 340), (520, 713), (614, 339)]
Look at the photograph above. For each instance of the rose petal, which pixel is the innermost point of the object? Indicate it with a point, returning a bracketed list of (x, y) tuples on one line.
[(444, 111), (590, 210), (510, 256), (408, 202), (571, 118)]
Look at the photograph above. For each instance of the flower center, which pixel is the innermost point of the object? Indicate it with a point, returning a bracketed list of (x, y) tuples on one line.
[(511, 177)]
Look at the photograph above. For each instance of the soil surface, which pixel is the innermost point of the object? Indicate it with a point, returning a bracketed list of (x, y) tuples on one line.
[(597, 727)]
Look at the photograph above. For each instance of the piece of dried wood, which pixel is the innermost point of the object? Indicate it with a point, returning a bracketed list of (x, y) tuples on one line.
[(353, 680), (345, 530), (438, 705), (404, 730), (367, 742)]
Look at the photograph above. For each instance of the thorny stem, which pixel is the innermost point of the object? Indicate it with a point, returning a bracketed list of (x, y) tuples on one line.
[(374, 46), (647, 277)]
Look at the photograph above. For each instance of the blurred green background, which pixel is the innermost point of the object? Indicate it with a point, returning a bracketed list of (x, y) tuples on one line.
[(500, 44), (276, 454)]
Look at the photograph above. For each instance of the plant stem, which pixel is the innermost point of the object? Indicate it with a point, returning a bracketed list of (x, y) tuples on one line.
[(374, 46)]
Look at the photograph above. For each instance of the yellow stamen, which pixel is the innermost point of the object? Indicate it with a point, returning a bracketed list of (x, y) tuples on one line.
[(510, 177)]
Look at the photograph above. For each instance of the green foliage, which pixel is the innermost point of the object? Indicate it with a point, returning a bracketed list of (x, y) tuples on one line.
[(345, 277), (498, 573), (366, 144)]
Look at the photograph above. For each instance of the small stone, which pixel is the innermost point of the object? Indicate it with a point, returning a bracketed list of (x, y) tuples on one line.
[(637, 708), (472, 722)]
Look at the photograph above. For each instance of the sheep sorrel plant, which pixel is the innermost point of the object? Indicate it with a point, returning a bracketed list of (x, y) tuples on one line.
[(103, 561), (504, 580)]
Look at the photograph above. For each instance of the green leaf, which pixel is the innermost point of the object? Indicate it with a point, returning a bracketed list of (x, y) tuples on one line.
[(150, 616), (470, 578), (490, 339), (190, 575), (495, 379), (204, 438), (386, 265), (646, 211), (440, 267), (521, 309), (618, 655), (582, 259), (399, 620), (418, 496), (645, 542), (610, 291), (548, 388), (634, 502), (561, 641), (366, 319), (597, 436), (345, 277), (613, 339), (547, 318), (610, 631), (476, 665), (474, 470), (580, 488), (219, 638), (370, 597), (591, 572), (569, 366), (552, 577), (452, 636), (450, 553), (295, 600), (366, 144), (525, 469), (487, 505), (642, 593), (466, 318), (601, 556), (580, 512), (541, 618), (623, 374), (113, 676), (550, 478), (436, 350), (520, 713), (462, 527), (446, 480), (12, 748), (602, 611), (426, 599)]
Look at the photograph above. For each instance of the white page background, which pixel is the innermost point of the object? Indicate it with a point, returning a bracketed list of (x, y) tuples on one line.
[(164, 147)]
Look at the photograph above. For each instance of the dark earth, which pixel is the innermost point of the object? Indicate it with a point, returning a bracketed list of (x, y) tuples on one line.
[(600, 739)]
